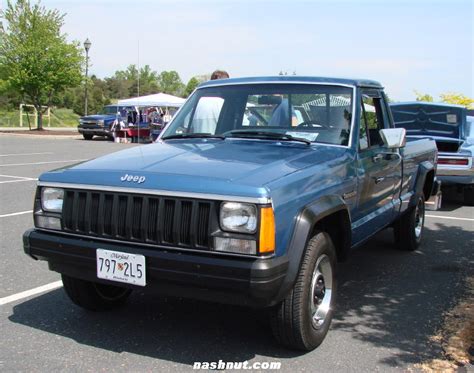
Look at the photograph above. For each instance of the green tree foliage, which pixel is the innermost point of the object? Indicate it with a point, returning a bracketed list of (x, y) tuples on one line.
[(124, 83), (171, 83), (35, 56), (448, 98), (423, 97), (73, 98), (191, 86), (457, 99)]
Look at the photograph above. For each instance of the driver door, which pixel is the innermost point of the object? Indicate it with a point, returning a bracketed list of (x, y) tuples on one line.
[(378, 169)]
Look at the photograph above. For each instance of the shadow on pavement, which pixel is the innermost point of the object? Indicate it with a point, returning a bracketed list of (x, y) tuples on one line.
[(387, 298)]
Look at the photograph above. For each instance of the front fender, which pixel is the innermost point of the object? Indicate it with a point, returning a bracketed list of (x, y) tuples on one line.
[(306, 221)]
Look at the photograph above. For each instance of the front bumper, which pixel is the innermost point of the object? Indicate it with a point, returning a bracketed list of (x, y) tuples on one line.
[(233, 280), (95, 130)]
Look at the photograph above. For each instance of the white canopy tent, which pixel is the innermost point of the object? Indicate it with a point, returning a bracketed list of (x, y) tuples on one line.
[(157, 99)]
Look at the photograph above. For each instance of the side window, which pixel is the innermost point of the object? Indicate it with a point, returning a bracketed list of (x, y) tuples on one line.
[(363, 136), (374, 118)]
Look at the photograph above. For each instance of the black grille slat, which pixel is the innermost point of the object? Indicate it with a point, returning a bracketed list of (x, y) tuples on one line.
[(94, 213), (185, 223), (108, 204), (168, 220), (202, 234), (122, 216), (81, 211), (136, 217), (150, 219), (152, 226)]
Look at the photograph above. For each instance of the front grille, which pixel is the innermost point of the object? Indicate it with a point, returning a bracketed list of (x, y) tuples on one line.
[(89, 123), (138, 218)]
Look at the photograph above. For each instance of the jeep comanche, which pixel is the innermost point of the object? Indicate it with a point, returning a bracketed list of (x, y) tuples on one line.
[(252, 194)]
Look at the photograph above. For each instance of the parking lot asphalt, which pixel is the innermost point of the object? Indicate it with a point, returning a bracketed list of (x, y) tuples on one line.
[(389, 302)]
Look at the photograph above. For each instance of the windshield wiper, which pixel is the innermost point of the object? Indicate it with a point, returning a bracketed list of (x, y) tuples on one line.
[(267, 135), (193, 136)]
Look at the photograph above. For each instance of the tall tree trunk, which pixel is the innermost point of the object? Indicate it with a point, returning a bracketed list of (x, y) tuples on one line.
[(39, 112)]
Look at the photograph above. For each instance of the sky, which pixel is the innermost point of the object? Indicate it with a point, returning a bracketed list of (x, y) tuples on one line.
[(406, 45)]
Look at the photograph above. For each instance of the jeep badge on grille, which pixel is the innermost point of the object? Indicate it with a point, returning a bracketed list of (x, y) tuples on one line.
[(133, 178)]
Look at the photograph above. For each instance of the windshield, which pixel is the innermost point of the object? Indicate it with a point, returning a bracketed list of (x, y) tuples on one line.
[(316, 113), (111, 110)]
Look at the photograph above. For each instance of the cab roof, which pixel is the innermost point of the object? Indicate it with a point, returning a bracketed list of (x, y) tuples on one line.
[(292, 79)]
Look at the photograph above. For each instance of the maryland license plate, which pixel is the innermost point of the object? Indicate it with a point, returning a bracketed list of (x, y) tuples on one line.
[(121, 267)]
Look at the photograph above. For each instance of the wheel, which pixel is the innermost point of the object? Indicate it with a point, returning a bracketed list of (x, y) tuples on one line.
[(302, 320), (469, 196), (87, 136), (93, 296), (409, 229)]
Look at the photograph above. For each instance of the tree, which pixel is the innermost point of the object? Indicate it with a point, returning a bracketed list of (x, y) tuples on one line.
[(191, 86), (423, 97), (171, 83), (38, 60), (448, 98), (124, 83), (457, 99)]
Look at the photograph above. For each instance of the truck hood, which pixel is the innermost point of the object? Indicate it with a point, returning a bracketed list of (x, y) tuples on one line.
[(428, 119), (229, 167)]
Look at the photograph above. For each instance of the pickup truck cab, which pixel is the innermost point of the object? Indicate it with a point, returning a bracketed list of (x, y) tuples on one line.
[(453, 131), (251, 195)]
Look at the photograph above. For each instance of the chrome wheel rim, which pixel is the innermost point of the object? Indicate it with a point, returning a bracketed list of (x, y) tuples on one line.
[(321, 291), (419, 218)]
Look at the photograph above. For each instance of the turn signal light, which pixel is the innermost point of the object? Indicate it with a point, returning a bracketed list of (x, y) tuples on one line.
[(267, 231)]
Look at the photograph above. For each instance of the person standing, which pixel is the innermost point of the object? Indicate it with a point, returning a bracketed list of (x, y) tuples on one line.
[(208, 109)]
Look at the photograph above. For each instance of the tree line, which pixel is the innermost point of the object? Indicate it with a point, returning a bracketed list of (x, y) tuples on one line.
[(39, 66)]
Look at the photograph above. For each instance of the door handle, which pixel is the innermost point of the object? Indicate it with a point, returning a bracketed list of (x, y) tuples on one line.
[(377, 157), (379, 179)]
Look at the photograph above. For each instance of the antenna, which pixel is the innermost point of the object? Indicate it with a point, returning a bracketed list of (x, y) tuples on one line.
[(138, 88)]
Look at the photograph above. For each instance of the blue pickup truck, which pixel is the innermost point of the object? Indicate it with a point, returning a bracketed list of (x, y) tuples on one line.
[(251, 195), (101, 124)]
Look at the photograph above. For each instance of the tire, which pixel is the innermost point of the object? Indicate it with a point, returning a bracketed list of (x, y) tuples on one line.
[(295, 321), (469, 196), (408, 230), (93, 296), (87, 136)]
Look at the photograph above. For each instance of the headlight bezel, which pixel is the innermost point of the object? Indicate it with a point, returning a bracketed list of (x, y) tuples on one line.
[(44, 201), (252, 221)]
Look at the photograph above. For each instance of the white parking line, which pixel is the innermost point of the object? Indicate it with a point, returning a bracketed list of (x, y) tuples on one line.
[(18, 177), (16, 213), (21, 154), (448, 217), (33, 163), (17, 181), (29, 293)]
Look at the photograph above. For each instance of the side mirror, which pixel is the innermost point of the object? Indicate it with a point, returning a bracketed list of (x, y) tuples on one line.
[(394, 138)]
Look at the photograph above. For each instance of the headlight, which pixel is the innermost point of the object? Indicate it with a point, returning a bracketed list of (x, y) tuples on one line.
[(238, 217), (52, 199), (100, 122)]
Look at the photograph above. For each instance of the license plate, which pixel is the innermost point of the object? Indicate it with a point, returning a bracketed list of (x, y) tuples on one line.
[(121, 267)]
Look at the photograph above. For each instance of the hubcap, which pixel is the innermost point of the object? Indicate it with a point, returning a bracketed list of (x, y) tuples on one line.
[(419, 218), (321, 291)]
